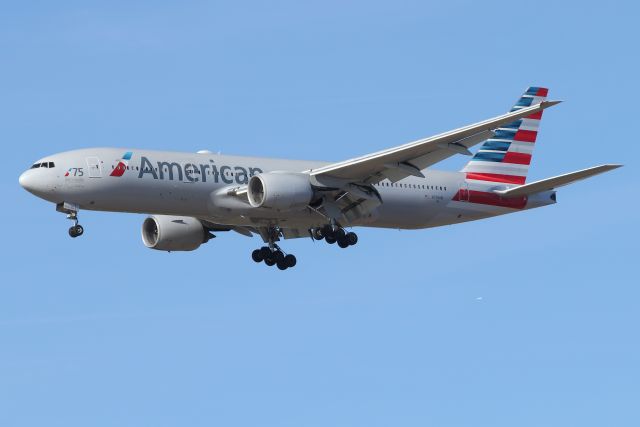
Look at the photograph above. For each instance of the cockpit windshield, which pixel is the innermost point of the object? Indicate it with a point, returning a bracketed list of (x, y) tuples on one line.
[(44, 165)]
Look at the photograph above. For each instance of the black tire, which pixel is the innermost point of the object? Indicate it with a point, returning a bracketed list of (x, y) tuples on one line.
[(265, 252), (339, 234), (343, 243), (290, 260), (352, 238), (278, 256), (72, 232), (330, 239), (327, 230), (282, 265), (269, 261), (317, 234), (257, 255), (79, 230)]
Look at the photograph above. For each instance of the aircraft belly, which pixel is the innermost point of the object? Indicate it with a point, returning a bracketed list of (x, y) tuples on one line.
[(138, 196), (406, 210)]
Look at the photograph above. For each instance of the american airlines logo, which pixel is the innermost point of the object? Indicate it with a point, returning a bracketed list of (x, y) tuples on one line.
[(122, 164), (187, 172)]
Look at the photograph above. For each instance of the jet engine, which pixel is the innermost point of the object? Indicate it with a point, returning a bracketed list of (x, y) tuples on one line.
[(174, 233), (280, 190)]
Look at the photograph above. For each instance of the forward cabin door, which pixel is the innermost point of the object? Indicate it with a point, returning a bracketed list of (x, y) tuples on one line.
[(95, 167)]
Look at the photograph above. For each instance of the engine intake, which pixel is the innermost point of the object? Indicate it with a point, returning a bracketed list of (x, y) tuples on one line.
[(174, 233), (280, 190)]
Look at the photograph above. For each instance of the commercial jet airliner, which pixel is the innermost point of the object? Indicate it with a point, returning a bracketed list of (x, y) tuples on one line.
[(190, 196)]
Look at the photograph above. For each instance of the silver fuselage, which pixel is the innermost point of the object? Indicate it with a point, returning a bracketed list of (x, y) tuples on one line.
[(195, 185)]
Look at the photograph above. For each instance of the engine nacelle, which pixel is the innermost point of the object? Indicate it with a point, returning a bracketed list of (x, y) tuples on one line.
[(173, 233), (280, 190)]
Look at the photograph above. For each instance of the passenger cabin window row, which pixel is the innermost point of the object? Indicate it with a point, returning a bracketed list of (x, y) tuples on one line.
[(192, 171), (416, 186), (44, 165)]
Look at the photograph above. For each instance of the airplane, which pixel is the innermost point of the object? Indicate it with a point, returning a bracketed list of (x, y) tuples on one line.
[(191, 196)]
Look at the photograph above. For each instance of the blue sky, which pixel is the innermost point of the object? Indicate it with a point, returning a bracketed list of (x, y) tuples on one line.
[(529, 319)]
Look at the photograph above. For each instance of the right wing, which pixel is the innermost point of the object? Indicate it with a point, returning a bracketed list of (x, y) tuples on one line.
[(555, 182)]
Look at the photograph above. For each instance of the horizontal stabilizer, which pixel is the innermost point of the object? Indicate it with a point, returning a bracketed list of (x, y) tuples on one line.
[(555, 182)]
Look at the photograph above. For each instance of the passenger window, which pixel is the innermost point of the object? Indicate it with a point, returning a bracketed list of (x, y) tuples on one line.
[(35, 166)]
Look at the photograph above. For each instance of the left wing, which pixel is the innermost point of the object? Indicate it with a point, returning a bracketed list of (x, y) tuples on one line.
[(399, 162)]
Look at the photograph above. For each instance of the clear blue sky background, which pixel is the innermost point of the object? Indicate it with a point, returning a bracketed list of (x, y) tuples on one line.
[(528, 320)]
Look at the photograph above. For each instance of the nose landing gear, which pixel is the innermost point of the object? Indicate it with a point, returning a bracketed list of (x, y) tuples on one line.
[(71, 210), (76, 230)]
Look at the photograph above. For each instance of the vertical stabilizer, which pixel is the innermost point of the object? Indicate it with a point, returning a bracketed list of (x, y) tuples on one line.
[(506, 157)]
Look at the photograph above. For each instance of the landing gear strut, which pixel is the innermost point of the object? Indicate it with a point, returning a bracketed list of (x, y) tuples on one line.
[(334, 233), (71, 210)]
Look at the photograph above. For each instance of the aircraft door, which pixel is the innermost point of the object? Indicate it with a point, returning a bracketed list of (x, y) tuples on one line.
[(463, 192), (95, 167)]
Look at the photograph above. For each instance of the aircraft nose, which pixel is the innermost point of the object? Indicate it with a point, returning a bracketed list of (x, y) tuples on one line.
[(33, 183), (26, 181)]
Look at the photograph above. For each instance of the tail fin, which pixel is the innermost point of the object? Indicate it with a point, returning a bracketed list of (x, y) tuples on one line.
[(506, 157)]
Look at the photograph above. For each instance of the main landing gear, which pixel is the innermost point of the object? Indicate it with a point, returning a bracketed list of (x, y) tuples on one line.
[(332, 234), (76, 230), (274, 256)]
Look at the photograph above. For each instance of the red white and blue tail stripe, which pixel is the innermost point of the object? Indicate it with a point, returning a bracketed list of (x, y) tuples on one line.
[(506, 157)]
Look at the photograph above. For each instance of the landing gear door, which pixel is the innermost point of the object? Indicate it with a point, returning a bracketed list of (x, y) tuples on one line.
[(95, 167)]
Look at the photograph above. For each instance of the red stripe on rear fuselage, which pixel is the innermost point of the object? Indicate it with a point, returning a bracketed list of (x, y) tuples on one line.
[(491, 199)]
